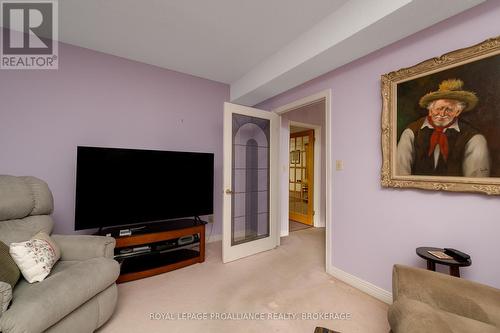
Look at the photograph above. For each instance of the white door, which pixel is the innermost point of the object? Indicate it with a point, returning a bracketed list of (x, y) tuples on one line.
[(250, 198)]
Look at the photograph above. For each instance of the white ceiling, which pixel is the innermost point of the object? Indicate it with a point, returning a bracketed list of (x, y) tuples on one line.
[(260, 47), (356, 29), (219, 40)]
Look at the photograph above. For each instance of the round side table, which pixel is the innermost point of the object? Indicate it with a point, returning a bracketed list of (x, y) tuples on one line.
[(432, 260)]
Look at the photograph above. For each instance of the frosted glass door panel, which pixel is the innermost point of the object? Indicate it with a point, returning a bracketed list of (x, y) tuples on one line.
[(250, 174)]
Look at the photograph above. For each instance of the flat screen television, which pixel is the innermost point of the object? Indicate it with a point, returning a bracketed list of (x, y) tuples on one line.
[(116, 187)]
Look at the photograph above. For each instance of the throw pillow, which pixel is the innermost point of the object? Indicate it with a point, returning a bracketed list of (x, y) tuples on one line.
[(5, 296), (9, 273), (35, 257)]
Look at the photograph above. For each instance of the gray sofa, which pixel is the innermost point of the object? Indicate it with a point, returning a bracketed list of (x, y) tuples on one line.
[(80, 293), (426, 301)]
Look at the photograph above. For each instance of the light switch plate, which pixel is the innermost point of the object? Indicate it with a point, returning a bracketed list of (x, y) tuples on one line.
[(339, 165)]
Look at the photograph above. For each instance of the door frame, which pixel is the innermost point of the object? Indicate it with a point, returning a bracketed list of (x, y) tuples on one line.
[(317, 195), (308, 100)]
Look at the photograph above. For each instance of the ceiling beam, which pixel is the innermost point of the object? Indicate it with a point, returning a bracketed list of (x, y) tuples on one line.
[(356, 29)]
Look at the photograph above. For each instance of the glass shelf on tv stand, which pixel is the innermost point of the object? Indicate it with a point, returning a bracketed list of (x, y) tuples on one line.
[(156, 261), (123, 256)]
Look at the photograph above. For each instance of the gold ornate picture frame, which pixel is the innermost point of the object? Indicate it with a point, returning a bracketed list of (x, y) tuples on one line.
[(441, 122)]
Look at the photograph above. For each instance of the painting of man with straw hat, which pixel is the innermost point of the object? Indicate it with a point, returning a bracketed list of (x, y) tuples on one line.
[(440, 124), (441, 143)]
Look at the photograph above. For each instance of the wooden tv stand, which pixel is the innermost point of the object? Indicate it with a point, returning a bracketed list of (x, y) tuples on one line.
[(139, 265)]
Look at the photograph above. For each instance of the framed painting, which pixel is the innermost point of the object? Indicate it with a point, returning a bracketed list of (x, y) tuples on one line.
[(441, 122)]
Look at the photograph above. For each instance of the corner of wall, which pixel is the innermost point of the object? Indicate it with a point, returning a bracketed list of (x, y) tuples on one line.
[(358, 283)]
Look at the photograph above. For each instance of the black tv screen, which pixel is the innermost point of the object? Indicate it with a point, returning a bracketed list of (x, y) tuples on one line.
[(129, 186)]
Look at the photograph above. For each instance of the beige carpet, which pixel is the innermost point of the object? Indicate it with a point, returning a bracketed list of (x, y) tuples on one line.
[(296, 226), (290, 279)]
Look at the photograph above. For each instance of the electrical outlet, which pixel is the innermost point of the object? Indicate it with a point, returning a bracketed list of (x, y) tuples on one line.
[(210, 219)]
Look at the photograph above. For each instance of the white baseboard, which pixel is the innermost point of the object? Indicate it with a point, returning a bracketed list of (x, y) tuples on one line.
[(365, 286)]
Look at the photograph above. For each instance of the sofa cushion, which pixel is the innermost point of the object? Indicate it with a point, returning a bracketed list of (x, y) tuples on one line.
[(35, 257), (15, 198), (411, 316), (63, 265), (448, 293), (14, 231), (83, 247), (23, 196), (5, 296), (90, 316), (9, 273), (43, 202), (47, 302)]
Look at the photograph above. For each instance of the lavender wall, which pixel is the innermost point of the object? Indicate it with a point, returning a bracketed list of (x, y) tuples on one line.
[(373, 227), (101, 100)]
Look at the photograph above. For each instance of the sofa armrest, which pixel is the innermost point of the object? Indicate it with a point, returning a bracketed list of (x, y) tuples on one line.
[(83, 247), (448, 293)]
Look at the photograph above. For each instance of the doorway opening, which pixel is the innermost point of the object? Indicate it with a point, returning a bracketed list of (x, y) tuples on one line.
[(301, 178), (305, 167)]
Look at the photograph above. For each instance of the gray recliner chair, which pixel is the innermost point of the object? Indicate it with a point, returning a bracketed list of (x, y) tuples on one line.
[(80, 293)]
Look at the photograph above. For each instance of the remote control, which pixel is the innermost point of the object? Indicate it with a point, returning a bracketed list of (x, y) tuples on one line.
[(457, 254)]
